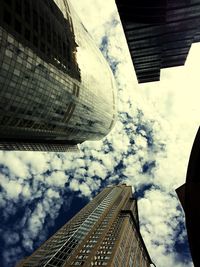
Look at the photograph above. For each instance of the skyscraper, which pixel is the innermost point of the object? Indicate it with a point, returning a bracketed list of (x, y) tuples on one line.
[(104, 233), (189, 196), (56, 88), (159, 33)]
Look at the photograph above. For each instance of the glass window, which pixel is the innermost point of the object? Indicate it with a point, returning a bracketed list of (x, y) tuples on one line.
[(7, 16), (35, 40), (35, 20), (18, 26), (18, 7), (27, 34)]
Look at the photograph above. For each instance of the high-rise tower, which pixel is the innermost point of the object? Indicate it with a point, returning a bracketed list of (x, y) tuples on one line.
[(159, 33), (189, 196), (56, 88), (104, 233)]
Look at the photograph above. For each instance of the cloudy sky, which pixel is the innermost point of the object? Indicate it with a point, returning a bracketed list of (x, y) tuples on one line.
[(148, 148)]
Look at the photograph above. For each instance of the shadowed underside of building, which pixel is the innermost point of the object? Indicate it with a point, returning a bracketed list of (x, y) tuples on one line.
[(159, 33), (104, 233), (189, 195)]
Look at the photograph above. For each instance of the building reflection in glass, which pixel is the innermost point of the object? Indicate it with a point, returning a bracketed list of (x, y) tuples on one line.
[(56, 88)]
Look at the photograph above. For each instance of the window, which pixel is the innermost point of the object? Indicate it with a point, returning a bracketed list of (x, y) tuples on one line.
[(35, 41), (55, 40), (48, 34), (27, 34), (18, 26), (131, 261), (35, 20), (8, 2), (7, 17), (64, 49), (42, 30), (27, 13), (48, 52), (18, 7), (78, 262), (59, 44), (42, 47)]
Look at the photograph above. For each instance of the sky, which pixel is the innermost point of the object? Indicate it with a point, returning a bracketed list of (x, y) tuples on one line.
[(148, 149)]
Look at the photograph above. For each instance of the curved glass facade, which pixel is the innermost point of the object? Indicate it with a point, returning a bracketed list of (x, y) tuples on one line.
[(57, 90)]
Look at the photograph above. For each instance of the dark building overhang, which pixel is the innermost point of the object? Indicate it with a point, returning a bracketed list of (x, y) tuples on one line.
[(189, 195), (159, 33), (143, 11)]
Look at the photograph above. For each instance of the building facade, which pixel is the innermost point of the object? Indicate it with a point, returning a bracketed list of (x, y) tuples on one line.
[(189, 197), (159, 33), (104, 233), (56, 88)]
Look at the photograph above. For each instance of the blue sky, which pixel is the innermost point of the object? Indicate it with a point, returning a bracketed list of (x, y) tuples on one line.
[(148, 148)]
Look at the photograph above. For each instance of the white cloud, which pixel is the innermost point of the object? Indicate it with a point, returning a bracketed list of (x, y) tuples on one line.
[(38, 162), (26, 191), (170, 115), (82, 187), (52, 193), (35, 222), (16, 166), (74, 185), (57, 178), (160, 219), (85, 190), (11, 187), (96, 168)]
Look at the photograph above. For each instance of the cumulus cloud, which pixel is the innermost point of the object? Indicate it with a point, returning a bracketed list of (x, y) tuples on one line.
[(12, 188), (160, 219), (97, 169), (148, 149), (57, 179), (16, 166)]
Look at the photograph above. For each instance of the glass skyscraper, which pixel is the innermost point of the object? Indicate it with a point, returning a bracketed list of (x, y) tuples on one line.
[(56, 88), (159, 33), (104, 233), (189, 197)]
